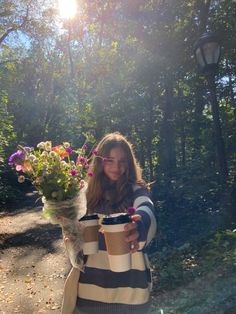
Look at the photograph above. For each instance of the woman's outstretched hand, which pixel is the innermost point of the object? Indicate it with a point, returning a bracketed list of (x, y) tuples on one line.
[(133, 234)]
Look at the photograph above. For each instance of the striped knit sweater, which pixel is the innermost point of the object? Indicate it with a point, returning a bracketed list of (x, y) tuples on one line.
[(98, 283)]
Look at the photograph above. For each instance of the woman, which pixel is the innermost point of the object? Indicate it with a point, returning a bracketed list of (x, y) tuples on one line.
[(115, 186)]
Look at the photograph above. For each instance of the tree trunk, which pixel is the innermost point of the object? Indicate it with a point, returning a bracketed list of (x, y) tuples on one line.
[(150, 136), (199, 106), (220, 146), (167, 139), (204, 8)]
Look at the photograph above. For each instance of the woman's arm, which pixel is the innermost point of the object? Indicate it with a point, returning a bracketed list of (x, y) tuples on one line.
[(147, 225)]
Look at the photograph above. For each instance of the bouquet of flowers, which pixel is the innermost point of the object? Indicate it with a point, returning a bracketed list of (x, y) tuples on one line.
[(58, 173)]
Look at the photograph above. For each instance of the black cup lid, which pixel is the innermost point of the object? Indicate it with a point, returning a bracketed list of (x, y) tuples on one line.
[(89, 217), (115, 220)]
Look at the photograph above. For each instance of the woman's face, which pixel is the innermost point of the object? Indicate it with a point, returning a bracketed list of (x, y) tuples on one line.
[(115, 164)]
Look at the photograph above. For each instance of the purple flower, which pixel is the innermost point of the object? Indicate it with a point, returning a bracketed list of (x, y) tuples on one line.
[(131, 210), (82, 160), (69, 150), (28, 149), (16, 158), (84, 147), (73, 172)]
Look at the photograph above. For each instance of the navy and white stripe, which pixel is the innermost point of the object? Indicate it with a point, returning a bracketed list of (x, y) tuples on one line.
[(144, 207), (99, 283)]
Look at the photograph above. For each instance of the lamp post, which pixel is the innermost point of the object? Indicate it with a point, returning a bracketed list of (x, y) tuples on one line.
[(207, 51)]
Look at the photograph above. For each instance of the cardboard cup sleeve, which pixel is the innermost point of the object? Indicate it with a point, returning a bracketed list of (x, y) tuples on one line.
[(118, 249)]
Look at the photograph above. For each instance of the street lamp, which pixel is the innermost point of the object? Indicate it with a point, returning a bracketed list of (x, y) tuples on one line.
[(207, 51)]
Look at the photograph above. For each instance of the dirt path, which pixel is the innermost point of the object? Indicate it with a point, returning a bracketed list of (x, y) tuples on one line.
[(33, 263)]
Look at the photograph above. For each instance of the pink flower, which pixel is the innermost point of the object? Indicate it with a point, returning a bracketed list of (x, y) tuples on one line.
[(90, 174), (73, 172), (26, 166), (84, 147), (82, 159), (131, 210), (69, 150), (95, 152), (19, 168)]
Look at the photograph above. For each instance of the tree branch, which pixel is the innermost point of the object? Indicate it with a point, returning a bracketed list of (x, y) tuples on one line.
[(13, 29)]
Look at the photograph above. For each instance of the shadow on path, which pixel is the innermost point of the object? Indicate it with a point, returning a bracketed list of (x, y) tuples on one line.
[(41, 236)]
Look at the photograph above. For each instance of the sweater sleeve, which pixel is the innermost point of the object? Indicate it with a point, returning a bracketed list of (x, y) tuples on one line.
[(144, 207)]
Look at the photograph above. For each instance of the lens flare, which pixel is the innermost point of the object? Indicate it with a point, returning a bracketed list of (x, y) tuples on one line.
[(67, 8)]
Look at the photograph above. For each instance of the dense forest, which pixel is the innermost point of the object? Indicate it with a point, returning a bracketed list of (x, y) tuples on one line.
[(127, 66)]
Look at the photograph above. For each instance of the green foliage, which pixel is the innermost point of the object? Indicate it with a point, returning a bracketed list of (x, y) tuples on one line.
[(10, 190), (176, 267), (7, 189), (6, 128), (221, 249)]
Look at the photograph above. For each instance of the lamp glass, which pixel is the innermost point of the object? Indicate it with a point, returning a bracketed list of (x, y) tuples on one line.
[(199, 58), (211, 52)]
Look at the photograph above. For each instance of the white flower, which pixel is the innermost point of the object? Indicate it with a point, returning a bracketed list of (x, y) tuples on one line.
[(32, 158), (52, 154), (63, 164), (41, 145), (35, 160), (57, 157), (66, 144), (44, 154), (48, 146), (21, 179)]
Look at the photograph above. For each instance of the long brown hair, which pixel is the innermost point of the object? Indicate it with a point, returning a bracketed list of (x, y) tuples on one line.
[(98, 184)]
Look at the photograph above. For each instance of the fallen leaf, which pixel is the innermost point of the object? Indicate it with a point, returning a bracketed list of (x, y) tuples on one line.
[(55, 307), (28, 280)]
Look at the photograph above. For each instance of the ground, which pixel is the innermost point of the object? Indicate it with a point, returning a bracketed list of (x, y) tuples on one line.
[(34, 265), (33, 262)]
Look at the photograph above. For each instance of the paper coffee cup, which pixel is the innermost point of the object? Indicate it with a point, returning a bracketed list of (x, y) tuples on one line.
[(118, 249), (90, 234)]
